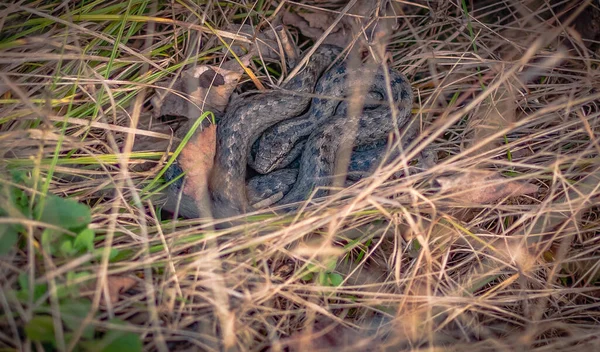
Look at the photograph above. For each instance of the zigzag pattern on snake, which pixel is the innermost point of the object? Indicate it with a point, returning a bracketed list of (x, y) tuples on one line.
[(316, 128)]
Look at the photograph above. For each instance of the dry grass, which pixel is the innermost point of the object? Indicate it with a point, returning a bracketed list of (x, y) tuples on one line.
[(390, 265)]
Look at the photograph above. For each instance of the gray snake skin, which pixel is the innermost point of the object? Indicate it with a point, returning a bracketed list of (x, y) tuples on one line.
[(313, 129)]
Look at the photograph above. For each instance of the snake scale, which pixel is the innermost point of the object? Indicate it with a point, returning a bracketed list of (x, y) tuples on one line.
[(303, 123)]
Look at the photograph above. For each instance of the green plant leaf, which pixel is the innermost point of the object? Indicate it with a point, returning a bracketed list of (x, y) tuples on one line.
[(64, 212), (73, 313), (335, 279), (8, 238), (48, 236), (53, 241), (84, 241), (18, 176), (308, 277), (72, 276), (322, 279), (18, 197), (116, 341), (331, 263), (115, 255), (112, 256), (66, 248), (66, 292), (38, 290), (71, 290), (40, 328), (123, 342)]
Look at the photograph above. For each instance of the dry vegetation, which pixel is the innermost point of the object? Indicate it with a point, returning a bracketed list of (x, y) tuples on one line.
[(495, 248)]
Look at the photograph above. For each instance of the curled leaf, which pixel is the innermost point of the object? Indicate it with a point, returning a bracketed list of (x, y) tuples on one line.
[(482, 187), (199, 89)]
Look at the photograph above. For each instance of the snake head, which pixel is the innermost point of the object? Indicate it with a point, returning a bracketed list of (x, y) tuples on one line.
[(264, 164), (274, 153)]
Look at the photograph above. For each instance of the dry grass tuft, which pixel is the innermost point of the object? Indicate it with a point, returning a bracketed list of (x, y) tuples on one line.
[(506, 261)]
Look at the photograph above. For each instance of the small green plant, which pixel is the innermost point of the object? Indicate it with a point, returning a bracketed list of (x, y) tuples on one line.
[(323, 276), (65, 236), (13, 201), (41, 328)]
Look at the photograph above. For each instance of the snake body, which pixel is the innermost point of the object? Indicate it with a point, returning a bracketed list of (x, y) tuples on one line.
[(316, 127)]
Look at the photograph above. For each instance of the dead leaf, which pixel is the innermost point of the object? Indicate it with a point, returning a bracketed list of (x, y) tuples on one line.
[(265, 42), (482, 187), (318, 20), (117, 285), (339, 36), (197, 160), (199, 89), (313, 24)]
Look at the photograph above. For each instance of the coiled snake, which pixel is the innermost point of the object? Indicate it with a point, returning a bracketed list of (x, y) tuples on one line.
[(306, 118)]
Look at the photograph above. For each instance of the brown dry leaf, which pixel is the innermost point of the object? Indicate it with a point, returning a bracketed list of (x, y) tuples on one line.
[(265, 42), (482, 187), (117, 285), (197, 159), (314, 23), (319, 22), (201, 88)]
